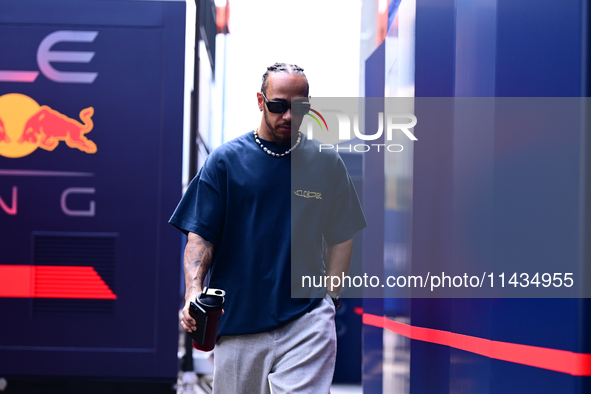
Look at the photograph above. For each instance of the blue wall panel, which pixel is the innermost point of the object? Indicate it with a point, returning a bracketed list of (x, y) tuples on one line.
[(538, 52), (135, 178)]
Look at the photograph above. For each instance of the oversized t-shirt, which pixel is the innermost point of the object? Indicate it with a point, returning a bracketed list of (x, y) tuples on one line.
[(267, 218)]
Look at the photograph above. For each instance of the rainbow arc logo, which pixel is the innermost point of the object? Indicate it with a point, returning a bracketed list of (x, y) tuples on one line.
[(316, 119)]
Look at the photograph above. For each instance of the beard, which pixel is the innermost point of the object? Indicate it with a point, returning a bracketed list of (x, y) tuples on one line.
[(277, 138)]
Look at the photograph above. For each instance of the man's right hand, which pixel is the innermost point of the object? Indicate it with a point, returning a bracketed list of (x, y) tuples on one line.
[(197, 261), (187, 322)]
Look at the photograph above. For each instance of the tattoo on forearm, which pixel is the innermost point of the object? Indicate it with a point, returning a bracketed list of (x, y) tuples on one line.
[(197, 261)]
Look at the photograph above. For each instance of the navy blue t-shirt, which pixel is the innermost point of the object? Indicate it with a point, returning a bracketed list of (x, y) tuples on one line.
[(262, 239)]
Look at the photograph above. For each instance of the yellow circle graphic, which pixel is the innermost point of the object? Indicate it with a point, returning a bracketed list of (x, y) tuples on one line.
[(15, 110)]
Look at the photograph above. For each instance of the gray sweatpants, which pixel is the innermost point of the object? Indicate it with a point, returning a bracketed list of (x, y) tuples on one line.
[(296, 358)]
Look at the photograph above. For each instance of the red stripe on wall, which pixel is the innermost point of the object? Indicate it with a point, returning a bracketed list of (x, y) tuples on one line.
[(41, 281), (15, 281), (577, 364)]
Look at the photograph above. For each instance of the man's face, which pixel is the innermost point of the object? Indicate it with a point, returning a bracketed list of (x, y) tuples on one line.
[(283, 86)]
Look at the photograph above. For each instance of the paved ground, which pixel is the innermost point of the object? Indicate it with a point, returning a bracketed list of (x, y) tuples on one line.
[(345, 389)]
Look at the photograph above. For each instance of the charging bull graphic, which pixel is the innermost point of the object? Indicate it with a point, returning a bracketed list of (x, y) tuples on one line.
[(3, 136), (48, 127), (26, 126)]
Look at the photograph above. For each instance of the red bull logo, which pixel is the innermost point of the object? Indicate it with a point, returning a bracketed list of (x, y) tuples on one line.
[(26, 126), (3, 136)]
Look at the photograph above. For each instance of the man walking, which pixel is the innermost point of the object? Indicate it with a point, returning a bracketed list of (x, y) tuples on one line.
[(256, 216)]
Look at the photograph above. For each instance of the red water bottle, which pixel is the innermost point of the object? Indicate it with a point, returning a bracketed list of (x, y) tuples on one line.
[(206, 310)]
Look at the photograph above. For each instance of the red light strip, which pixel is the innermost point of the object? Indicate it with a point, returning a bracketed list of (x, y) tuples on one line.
[(46, 281), (577, 364)]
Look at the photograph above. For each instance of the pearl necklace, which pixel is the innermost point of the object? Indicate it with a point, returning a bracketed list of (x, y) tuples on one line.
[(287, 152)]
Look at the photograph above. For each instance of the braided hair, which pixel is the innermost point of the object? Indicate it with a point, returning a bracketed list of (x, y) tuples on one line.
[(280, 68)]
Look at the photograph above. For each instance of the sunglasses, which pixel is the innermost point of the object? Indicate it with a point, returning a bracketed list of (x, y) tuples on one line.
[(281, 106)]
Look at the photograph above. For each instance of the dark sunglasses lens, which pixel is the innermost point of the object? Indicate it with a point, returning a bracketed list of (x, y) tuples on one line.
[(276, 107), (300, 108)]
